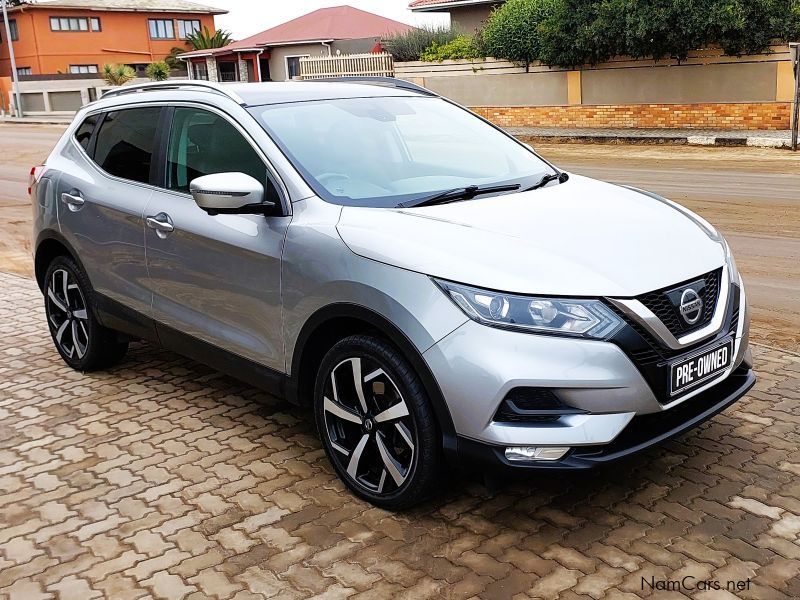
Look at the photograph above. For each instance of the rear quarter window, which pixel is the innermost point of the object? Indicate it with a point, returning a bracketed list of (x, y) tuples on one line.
[(83, 135), (126, 142)]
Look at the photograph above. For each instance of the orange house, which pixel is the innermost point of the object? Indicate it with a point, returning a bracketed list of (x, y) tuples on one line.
[(80, 36)]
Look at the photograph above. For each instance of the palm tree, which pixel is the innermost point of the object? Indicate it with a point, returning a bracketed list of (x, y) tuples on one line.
[(204, 39), (118, 74)]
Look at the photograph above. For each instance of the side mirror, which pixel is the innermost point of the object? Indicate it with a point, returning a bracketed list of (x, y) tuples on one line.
[(229, 193)]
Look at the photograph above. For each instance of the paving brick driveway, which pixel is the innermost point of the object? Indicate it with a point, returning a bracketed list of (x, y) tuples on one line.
[(163, 478)]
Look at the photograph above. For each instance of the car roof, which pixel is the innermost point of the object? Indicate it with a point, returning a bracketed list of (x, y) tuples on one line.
[(259, 94)]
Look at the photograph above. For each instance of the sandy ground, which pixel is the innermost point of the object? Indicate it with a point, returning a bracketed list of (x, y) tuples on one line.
[(752, 195)]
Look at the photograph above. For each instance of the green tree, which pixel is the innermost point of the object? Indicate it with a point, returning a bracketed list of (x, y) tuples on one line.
[(666, 28), (748, 26), (513, 30), (158, 71), (204, 39), (118, 74), (175, 63)]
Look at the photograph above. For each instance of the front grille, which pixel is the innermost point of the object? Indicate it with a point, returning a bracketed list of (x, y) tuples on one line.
[(664, 303), (652, 357)]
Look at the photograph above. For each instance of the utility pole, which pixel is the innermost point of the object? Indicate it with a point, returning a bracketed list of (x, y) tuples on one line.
[(14, 76), (795, 53)]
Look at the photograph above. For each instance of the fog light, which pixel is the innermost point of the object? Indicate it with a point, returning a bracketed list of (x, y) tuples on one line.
[(534, 453)]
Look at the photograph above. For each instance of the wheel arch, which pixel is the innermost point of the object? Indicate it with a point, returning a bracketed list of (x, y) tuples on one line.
[(334, 322), (50, 244)]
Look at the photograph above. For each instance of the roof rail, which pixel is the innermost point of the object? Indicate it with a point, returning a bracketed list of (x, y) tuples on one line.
[(208, 86), (382, 81)]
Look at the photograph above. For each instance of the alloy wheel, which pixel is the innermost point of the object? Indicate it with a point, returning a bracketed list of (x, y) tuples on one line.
[(368, 425), (67, 313)]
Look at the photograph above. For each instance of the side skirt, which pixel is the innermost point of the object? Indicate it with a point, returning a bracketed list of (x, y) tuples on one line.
[(120, 318)]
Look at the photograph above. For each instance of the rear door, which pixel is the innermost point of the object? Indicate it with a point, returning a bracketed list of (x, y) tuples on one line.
[(101, 195), (216, 278)]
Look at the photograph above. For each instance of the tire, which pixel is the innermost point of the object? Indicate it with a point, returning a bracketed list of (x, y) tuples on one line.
[(82, 342), (391, 459)]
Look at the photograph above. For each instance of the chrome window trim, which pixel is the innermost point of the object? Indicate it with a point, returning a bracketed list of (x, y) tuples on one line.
[(637, 311)]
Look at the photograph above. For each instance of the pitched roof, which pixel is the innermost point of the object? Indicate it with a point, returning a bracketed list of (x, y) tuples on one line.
[(423, 5), (323, 25), (177, 6)]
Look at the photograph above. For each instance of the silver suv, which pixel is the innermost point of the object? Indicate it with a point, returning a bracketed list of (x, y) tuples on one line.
[(433, 289)]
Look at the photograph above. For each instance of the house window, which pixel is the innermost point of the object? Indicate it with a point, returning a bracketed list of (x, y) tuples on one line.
[(200, 71), (69, 24), (83, 69), (95, 23), (24, 71), (12, 25), (162, 29), (293, 66), (187, 27)]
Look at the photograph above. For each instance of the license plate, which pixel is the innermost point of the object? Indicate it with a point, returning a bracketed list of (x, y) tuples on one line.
[(688, 372)]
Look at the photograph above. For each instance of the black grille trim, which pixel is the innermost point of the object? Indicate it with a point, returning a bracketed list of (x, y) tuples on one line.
[(652, 358), (661, 306), (532, 405)]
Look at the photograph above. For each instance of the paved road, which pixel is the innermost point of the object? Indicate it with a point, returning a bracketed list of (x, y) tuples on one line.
[(164, 479)]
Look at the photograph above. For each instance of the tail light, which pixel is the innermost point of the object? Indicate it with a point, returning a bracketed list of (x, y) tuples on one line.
[(34, 176)]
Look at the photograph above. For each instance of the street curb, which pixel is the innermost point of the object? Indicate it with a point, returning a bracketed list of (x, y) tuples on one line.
[(754, 142), (34, 121)]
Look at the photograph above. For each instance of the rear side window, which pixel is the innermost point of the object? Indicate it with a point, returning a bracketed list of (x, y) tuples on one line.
[(126, 143), (203, 143), (84, 133)]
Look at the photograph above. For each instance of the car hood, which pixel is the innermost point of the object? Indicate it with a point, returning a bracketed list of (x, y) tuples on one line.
[(579, 238)]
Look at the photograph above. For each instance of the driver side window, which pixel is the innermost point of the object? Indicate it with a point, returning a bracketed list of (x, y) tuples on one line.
[(204, 143)]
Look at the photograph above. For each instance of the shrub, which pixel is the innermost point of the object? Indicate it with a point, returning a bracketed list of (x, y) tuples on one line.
[(158, 71), (568, 33), (410, 45), (118, 74), (463, 46), (512, 30)]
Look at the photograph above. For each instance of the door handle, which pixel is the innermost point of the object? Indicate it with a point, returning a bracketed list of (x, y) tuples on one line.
[(73, 200), (161, 223)]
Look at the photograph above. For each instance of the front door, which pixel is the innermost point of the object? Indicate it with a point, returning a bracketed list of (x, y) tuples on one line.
[(101, 205), (215, 278)]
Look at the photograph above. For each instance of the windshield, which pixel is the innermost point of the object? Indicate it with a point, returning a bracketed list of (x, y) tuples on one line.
[(384, 151)]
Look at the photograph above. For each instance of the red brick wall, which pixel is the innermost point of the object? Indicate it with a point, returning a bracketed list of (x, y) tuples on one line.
[(766, 115)]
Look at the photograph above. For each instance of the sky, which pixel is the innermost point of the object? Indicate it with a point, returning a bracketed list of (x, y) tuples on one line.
[(246, 17)]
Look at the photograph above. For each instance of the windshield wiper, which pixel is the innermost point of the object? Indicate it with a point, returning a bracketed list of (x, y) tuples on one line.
[(461, 193), (561, 177)]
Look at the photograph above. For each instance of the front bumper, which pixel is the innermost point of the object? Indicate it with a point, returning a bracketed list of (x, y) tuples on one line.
[(644, 431), (615, 390)]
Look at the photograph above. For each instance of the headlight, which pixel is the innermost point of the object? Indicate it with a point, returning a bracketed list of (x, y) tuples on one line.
[(582, 318)]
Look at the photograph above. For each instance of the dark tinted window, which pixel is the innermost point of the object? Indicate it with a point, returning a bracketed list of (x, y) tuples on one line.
[(84, 132), (203, 143), (126, 142)]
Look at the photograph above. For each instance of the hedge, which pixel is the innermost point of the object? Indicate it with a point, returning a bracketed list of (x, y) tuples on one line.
[(568, 33)]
